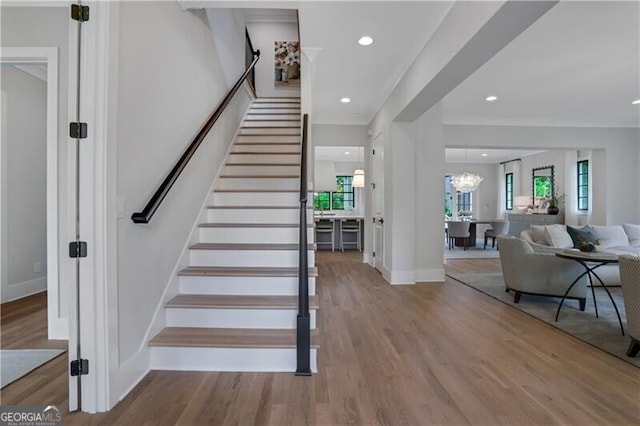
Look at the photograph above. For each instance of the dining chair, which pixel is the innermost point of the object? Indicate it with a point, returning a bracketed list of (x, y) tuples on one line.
[(498, 227), (459, 229)]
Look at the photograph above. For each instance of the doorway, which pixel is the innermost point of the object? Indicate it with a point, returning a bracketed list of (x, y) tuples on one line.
[(42, 61)]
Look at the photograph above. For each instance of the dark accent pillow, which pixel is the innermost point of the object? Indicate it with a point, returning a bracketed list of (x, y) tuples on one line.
[(582, 236)]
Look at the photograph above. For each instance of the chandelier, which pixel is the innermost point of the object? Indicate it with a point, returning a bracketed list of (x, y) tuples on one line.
[(466, 182)]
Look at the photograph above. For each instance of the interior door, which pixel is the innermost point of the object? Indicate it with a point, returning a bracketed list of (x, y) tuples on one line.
[(377, 197)]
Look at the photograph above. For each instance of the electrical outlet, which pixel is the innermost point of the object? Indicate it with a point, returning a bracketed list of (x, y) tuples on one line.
[(37, 267)]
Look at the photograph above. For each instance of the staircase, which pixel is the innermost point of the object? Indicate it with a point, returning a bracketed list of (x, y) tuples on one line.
[(237, 303)]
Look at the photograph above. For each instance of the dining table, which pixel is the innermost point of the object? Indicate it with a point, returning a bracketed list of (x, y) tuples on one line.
[(459, 242)]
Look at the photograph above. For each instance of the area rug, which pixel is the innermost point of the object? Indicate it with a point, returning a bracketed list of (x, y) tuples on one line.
[(603, 332), (15, 363)]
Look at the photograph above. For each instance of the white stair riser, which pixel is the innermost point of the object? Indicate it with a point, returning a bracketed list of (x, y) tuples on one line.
[(258, 183), (273, 115), (265, 147), (279, 110), (255, 258), (266, 139), (271, 131), (270, 124), (266, 158), (252, 235), (235, 318), (243, 286), (261, 170), (226, 359), (257, 215), (266, 103), (255, 198)]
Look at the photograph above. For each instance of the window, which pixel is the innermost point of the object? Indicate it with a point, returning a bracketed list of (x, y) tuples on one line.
[(508, 191), (464, 201), (342, 199), (583, 185), (448, 199)]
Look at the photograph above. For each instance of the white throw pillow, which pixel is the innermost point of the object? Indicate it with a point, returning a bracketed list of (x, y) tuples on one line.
[(633, 233), (611, 235), (538, 235), (558, 236)]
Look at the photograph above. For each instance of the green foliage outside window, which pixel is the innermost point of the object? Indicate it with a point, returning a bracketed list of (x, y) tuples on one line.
[(341, 199)]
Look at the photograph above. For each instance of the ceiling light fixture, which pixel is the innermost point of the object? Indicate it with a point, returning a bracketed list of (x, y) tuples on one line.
[(345, 100), (365, 41), (491, 98), (347, 153), (466, 182), (636, 102), (484, 154)]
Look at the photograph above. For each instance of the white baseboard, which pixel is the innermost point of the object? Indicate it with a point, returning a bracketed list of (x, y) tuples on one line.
[(127, 377), (402, 277), (429, 275), (58, 328), (23, 289)]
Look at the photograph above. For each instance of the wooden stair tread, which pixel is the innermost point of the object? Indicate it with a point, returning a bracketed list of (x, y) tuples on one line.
[(263, 164), (270, 127), (259, 207), (264, 153), (267, 143), (247, 246), (273, 113), (260, 190), (204, 301), (228, 338), (260, 176), (252, 225), (268, 134), (243, 271)]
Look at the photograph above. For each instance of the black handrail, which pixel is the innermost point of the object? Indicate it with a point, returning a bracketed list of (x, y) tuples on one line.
[(149, 210), (303, 336)]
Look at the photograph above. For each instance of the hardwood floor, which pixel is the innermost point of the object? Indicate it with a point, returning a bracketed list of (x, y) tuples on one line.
[(433, 353)]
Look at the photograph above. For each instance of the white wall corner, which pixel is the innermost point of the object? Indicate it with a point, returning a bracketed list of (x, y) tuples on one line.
[(429, 275)]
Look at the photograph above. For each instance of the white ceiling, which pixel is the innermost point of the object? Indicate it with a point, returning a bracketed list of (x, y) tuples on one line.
[(349, 154), (487, 156), (577, 65), (343, 68)]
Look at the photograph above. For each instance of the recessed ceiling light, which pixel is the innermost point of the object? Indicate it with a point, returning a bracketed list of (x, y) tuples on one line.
[(491, 98), (347, 153), (365, 41), (345, 100), (484, 154), (636, 102)]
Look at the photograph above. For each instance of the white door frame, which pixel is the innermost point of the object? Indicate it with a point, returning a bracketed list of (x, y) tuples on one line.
[(377, 201), (58, 327)]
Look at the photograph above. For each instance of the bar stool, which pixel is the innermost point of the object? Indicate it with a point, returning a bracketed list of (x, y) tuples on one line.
[(350, 226), (324, 226)]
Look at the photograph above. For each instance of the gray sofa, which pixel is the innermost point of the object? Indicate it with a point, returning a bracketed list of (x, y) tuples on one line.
[(529, 272), (617, 239)]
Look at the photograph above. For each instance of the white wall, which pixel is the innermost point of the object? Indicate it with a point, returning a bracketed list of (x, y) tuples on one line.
[(47, 27), (615, 159), (263, 35), (227, 28), (170, 78), (24, 206)]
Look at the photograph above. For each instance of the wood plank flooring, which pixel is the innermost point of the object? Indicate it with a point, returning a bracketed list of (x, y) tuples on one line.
[(429, 354)]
